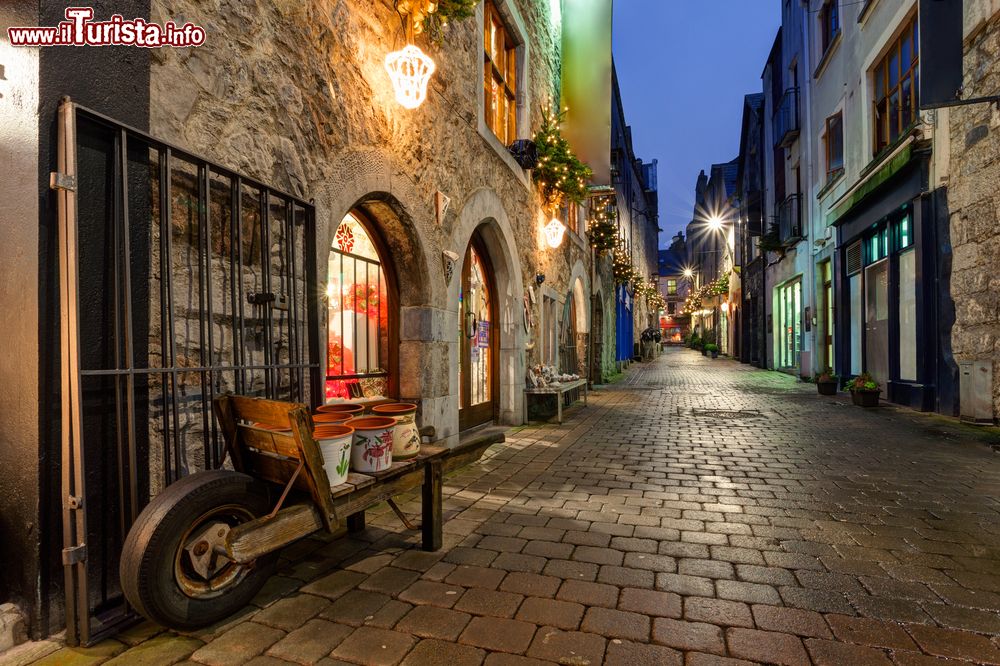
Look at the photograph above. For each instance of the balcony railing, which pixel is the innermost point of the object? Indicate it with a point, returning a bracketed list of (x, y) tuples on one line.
[(786, 118), (790, 219)]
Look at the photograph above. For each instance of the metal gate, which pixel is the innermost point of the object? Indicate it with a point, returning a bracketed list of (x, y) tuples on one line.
[(179, 280)]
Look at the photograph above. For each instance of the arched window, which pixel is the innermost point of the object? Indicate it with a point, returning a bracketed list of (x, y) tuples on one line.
[(361, 316)]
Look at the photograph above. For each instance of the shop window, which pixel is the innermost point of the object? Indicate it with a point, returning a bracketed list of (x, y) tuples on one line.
[(834, 142), (895, 79), (829, 21), (908, 315), (877, 246), (499, 75), (360, 319), (904, 233), (789, 333)]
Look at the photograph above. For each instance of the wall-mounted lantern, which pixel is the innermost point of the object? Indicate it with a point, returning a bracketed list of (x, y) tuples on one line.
[(409, 71), (554, 231)]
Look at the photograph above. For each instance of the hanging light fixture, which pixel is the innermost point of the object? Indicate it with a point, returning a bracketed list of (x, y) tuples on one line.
[(409, 71), (554, 231)]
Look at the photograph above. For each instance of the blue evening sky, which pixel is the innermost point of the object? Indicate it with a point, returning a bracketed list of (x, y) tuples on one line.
[(684, 67)]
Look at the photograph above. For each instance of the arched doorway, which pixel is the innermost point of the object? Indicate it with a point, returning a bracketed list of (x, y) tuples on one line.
[(362, 313), (478, 337)]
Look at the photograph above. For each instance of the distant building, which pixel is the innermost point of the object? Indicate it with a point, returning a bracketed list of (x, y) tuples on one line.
[(751, 314), (675, 285)]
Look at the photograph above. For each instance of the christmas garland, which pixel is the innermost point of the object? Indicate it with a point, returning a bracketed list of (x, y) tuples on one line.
[(559, 173), (432, 16), (601, 228)]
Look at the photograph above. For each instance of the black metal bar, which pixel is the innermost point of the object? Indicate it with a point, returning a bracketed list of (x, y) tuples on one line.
[(133, 482), (238, 212), (312, 303), (265, 270), (118, 325), (168, 278), (196, 368), (163, 192), (203, 298), (235, 276)]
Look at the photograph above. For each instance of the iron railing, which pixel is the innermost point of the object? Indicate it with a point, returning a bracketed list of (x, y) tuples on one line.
[(790, 218), (785, 121), (180, 280)]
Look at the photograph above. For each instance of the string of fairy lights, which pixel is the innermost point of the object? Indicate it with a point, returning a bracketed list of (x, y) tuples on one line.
[(693, 303)]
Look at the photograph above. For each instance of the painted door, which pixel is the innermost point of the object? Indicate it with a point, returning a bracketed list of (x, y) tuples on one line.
[(877, 320), (477, 340)]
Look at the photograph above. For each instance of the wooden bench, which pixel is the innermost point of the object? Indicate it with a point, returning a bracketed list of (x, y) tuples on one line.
[(291, 459), (558, 391)]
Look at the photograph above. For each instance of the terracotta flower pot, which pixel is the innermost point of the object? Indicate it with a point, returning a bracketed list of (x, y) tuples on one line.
[(865, 398), (372, 447), (827, 388), (331, 417), (406, 437), (341, 408), (334, 443)]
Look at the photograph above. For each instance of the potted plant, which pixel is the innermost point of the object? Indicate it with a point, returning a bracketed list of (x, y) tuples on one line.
[(864, 390), (826, 383), (712, 349), (694, 341)]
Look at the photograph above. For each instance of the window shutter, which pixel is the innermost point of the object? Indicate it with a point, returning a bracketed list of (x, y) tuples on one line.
[(854, 258)]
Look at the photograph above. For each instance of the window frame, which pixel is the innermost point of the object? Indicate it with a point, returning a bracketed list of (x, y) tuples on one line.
[(829, 29), (385, 263), (882, 130), (833, 172), (495, 74)]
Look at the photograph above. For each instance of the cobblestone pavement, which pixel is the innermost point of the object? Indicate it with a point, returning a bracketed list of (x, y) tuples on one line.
[(698, 512)]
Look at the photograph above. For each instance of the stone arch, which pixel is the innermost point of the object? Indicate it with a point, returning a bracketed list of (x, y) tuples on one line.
[(483, 212), (404, 222), (579, 289)]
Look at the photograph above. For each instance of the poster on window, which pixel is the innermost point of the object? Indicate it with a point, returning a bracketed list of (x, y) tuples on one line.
[(483, 335)]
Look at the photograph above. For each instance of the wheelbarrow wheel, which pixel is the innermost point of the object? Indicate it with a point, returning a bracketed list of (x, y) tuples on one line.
[(173, 569)]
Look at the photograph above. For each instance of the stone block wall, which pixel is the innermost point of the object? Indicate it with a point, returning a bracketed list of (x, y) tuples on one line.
[(295, 94), (974, 199)]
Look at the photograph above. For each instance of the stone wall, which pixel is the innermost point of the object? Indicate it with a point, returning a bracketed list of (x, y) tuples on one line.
[(295, 94), (973, 197)]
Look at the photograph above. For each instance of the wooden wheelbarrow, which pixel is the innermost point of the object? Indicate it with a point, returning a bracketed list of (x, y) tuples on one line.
[(204, 547)]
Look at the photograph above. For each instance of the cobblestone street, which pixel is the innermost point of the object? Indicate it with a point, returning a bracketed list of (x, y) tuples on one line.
[(697, 512)]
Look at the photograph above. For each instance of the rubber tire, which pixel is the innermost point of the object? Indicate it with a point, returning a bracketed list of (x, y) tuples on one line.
[(146, 569)]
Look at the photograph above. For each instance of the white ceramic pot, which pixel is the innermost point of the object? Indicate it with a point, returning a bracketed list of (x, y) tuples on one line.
[(335, 443), (406, 438), (372, 447)]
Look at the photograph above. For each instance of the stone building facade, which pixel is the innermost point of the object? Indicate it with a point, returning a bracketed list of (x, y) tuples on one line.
[(973, 198), (296, 96)]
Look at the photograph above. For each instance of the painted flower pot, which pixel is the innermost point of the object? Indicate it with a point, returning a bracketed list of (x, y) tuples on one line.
[(372, 448), (865, 398), (406, 437), (341, 408), (714, 354), (827, 388), (334, 443)]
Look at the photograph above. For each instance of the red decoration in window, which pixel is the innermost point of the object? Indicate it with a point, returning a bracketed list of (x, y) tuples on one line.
[(345, 237)]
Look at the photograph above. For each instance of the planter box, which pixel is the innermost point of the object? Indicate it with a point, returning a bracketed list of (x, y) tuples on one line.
[(827, 388), (865, 398), (715, 354)]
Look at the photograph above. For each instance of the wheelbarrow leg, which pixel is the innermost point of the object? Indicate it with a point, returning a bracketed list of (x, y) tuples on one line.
[(356, 522), (431, 507)]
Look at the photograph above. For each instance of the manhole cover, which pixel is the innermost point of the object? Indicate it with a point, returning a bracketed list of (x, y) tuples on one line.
[(728, 414)]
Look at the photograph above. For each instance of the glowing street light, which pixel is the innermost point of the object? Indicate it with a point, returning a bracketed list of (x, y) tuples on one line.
[(409, 71), (715, 223), (688, 273), (554, 231)]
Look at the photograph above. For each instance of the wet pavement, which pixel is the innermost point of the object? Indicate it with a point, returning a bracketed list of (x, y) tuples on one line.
[(697, 512)]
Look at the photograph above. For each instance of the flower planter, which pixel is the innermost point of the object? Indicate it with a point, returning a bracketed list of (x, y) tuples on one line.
[(331, 417), (347, 408), (406, 436), (865, 398), (715, 354), (372, 447), (334, 442), (826, 388)]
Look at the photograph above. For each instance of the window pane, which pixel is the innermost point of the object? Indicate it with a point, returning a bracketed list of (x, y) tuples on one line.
[(894, 116), (893, 68), (907, 104), (905, 51), (879, 82), (907, 316)]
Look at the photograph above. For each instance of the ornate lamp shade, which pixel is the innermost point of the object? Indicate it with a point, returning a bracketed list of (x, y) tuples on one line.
[(554, 231), (409, 71)]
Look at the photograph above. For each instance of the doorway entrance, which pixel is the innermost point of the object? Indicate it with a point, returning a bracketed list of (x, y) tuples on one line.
[(877, 320), (477, 371)]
